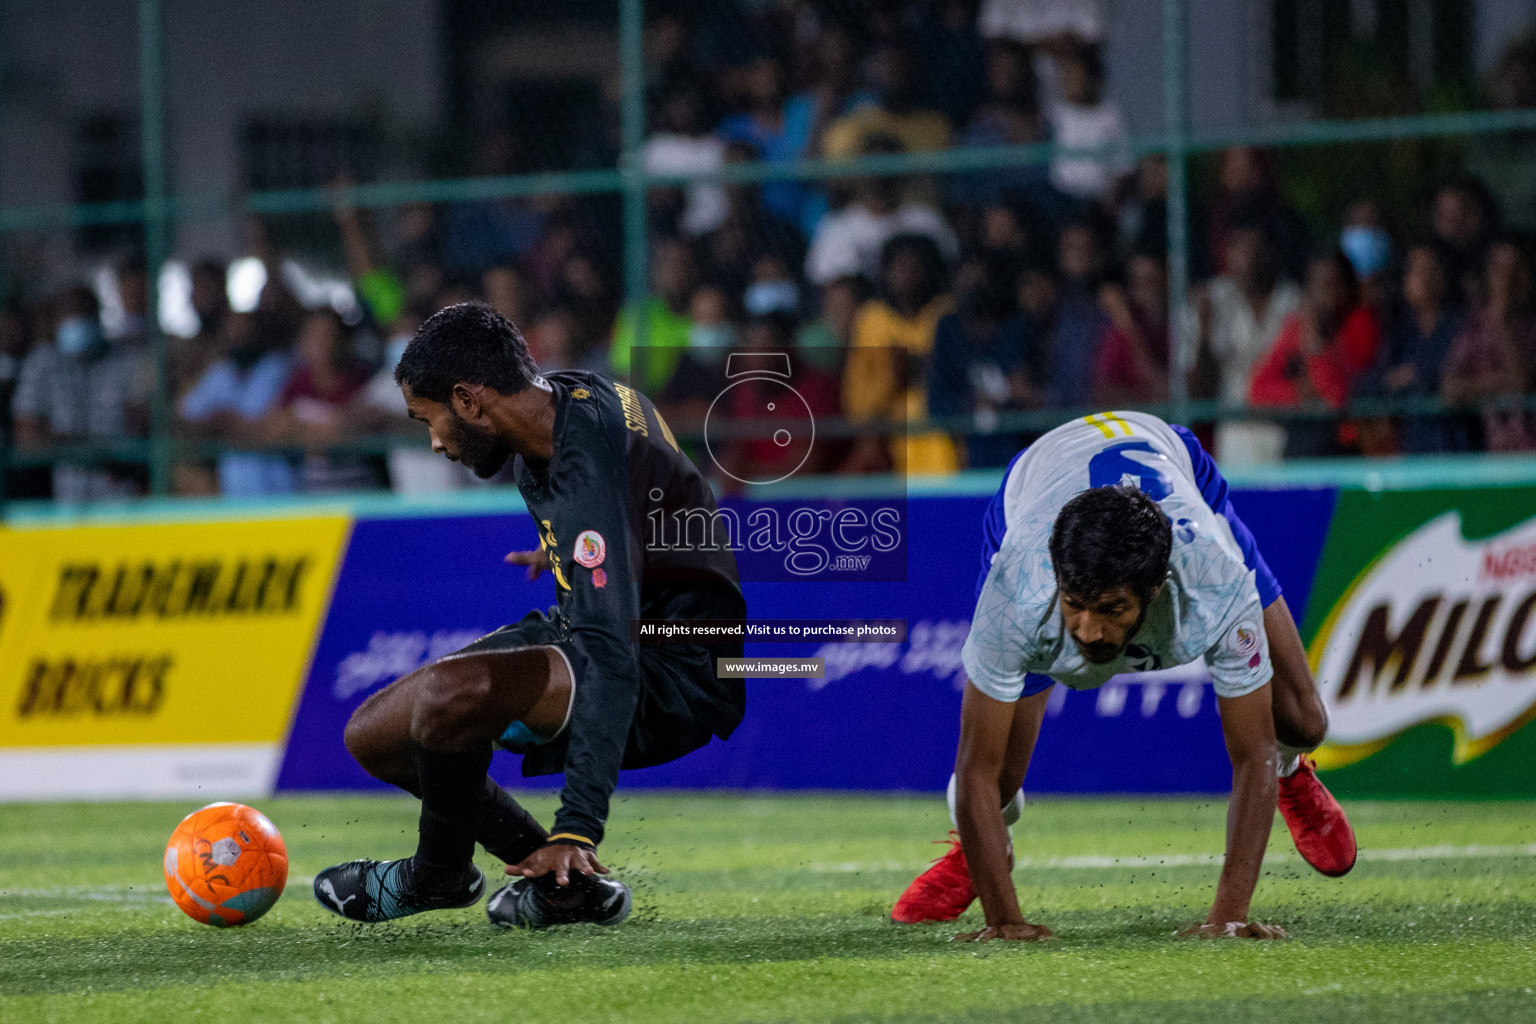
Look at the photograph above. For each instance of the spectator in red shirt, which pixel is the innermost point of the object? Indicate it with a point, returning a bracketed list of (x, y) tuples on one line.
[(1319, 352), (313, 408)]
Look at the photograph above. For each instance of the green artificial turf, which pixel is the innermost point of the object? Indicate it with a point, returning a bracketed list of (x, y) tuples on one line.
[(774, 908)]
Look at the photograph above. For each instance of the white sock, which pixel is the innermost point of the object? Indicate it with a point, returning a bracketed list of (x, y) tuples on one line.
[(1289, 759)]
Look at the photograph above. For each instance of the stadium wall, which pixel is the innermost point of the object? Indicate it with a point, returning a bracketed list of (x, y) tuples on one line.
[(186, 650)]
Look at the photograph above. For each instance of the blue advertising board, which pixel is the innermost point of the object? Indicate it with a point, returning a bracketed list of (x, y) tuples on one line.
[(883, 718)]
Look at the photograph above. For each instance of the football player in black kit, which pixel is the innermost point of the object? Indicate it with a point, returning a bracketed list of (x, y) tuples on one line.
[(567, 688)]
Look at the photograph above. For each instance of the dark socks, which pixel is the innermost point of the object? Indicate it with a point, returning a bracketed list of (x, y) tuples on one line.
[(507, 830), (453, 789)]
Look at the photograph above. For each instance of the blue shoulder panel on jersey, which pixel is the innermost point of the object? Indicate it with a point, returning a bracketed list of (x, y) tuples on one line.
[(994, 523), (1213, 488)]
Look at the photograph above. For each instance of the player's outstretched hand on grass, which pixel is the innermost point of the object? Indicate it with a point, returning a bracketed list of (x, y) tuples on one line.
[(1009, 933), (536, 561), (563, 859), (1234, 930)]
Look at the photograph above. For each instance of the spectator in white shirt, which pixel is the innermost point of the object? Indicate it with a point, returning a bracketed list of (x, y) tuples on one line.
[(683, 146), (82, 387), (1036, 22), (1084, 117), (849, 241), (1236, 320)]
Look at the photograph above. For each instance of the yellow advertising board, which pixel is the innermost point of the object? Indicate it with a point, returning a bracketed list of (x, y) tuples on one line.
[(157, 638)]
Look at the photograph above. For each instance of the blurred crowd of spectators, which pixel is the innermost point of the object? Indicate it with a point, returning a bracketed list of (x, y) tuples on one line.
[(904, 298)]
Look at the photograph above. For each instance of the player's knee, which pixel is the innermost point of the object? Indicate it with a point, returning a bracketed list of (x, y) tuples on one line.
[(358, 738), (449, 708)]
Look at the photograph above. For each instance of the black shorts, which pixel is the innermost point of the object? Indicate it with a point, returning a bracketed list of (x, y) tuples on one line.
[(681, 705)]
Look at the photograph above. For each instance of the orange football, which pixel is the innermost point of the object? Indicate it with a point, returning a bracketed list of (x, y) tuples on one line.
[(225, 865)]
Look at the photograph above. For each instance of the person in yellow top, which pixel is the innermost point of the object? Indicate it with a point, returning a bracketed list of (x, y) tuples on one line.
[(897, 110), (887, 370)]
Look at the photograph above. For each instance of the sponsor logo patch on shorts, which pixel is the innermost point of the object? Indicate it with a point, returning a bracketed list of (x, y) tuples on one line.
[(591, 549)]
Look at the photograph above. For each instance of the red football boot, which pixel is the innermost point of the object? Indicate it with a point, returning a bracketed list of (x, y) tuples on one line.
[(939, 894), (1322, 833)]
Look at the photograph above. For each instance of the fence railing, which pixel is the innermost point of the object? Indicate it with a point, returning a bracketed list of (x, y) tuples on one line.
[(160, 210)]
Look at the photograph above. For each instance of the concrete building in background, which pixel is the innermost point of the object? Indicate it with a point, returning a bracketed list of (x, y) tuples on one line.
[(277, 94)]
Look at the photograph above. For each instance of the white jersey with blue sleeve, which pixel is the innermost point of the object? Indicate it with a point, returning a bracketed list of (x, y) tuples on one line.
[(1209, 608)]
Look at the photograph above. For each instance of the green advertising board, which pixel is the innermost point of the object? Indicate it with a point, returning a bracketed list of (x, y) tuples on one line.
[(1421, 636)]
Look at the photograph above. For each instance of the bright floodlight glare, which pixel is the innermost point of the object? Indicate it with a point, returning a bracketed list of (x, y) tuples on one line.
[(177, 316), (318, 289), (246, 278)]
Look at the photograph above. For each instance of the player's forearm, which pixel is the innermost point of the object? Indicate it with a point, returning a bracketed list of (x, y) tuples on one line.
[(984, 838), (601, 716), (1250, 814)]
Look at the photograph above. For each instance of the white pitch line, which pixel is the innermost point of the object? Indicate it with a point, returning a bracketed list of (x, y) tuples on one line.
[(1182, 860)]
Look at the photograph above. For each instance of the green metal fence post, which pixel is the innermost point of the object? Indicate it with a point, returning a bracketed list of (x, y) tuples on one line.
[(1176, 130), (632, 111), (5, 444), (156, 228)]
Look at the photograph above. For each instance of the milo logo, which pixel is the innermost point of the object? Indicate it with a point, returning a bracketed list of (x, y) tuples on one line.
[(1437, 629)]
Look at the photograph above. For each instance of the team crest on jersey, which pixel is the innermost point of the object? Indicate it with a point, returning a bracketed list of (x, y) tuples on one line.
[(1244, 639), (580, 393), (591, 549)]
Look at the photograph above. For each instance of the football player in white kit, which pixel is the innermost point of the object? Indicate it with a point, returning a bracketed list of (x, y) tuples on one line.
[(1112, 547)]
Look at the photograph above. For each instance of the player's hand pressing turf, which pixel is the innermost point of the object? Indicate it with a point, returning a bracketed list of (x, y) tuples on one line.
[(536, 561), (1009, 933), (1234, 930), (563, 859)]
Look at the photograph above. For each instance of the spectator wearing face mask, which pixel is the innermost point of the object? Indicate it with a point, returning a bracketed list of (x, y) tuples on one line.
[(750, 403), (82, 387), (1365, 242), (887, 371), (699, 375)]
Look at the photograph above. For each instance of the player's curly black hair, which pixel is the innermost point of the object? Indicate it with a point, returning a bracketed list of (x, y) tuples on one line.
[(1108, 537), (469, 343)]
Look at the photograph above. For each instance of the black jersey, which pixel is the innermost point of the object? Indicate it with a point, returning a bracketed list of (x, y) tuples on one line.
[(615, 463)]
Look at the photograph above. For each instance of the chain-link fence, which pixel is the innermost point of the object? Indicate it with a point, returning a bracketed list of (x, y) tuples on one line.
[(219, 224)]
